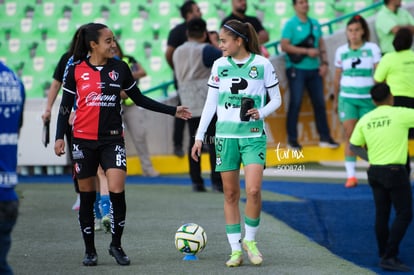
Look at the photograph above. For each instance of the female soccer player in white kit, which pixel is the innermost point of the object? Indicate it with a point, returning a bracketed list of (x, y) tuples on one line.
[(238, 87)]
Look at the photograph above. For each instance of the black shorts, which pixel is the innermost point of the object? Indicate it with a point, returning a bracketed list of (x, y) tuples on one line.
[(88, 154)]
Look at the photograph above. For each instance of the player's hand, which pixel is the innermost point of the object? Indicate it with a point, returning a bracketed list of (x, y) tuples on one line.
[(59, 147), (183, 112), (46, 116), (196, 150), (254, 113)]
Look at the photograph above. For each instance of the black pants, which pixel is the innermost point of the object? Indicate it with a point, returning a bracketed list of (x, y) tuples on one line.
[(8, 217), (179, 124), (195, 167), (391, 188)]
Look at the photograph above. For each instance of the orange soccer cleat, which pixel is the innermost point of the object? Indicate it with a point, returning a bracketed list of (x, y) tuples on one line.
[(351, 182)]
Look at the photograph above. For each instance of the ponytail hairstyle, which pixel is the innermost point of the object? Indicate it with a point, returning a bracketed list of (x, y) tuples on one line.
[(359, 19), (121, 52), (87, 33), (246, 32), (75, 38)]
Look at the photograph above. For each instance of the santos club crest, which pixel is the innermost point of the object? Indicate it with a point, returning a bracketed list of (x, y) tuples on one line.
[(253, 72)]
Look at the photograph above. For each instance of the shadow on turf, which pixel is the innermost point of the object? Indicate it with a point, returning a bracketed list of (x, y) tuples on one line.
[(340, 219)]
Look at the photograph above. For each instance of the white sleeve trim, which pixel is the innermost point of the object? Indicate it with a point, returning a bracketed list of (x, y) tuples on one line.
[(69, 91)]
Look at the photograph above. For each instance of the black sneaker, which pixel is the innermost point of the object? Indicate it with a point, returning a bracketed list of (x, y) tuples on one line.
[(199, 188), (217, 188), (178, 151), (330, 143), (119, 255), (394, 264), (294, 145), (90, 259)]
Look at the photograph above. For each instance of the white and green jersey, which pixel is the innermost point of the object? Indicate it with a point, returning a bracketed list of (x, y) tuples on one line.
[(235, 81), (357, 69)]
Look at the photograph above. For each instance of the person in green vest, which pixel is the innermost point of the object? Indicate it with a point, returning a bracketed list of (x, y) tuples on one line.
[(396, 70), (384, 132)]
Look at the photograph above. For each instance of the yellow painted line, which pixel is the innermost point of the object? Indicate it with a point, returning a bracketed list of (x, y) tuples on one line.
[(170, 164)]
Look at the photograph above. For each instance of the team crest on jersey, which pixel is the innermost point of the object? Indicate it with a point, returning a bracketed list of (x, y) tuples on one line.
[(253, 72), (113, 75)]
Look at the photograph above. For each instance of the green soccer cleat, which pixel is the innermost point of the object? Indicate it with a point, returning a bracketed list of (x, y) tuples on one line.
[(106, 222), (236, 259), (254, 254)]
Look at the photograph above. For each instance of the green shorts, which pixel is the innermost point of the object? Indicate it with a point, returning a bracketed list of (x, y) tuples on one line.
[(354, 108), (231, 152)]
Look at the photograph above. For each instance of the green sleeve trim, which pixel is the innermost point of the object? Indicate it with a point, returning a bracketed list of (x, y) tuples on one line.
[(350, 158)]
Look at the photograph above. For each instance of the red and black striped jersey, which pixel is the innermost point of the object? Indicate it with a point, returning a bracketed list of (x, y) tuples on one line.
[(98, 102)]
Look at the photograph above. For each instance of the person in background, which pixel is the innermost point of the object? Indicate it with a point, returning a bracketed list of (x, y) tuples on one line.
[(96, 80), (214, 38), (176, 37), (134, 117), (238, 87), (238, 12), (12, 99), (55, 86), (102, 203), (355, 63), (389, 19), (306, 65), (396, 69), (384, 132), (192, 65)]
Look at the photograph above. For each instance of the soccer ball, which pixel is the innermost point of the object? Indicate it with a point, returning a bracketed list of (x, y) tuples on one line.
[(190, 239)]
